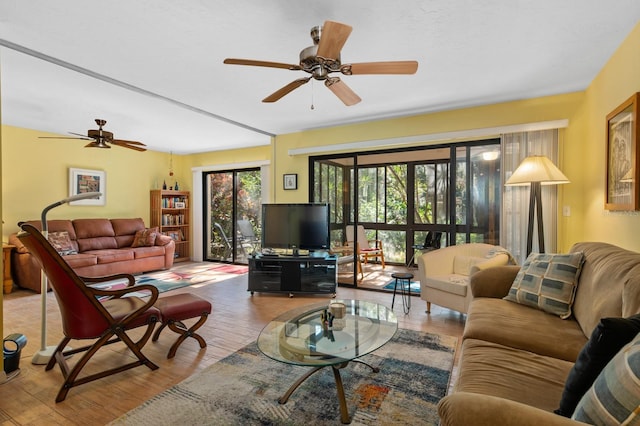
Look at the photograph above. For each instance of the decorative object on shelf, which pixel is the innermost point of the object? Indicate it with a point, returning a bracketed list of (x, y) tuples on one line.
[(536, 170), (164, 185), (83, 181), (622, 157), (176, 186), (291, 181)]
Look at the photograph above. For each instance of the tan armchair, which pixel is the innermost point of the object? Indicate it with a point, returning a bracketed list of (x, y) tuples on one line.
[(444, 273)]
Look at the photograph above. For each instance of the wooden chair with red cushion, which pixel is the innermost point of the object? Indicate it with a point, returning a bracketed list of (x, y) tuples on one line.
[(90, 313)]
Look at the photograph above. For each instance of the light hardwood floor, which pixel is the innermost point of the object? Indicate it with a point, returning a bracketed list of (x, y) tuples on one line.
[(236, 320)]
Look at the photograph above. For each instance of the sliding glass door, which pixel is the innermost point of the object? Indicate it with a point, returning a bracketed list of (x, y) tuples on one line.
[(233, 211)]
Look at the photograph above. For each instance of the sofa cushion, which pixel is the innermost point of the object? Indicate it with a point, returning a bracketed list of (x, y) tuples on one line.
[(125, 229), (111, 256), (94, 234), (62, 243), (548, 282), (522, 327), (614, 397), (607, 339), (609, 284), (492, 369), (142, 252), (145, 237), (81, 260), (455, 284)]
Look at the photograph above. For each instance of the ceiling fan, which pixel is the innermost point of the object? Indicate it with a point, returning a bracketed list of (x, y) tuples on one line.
[(323, 59), (101, 138)]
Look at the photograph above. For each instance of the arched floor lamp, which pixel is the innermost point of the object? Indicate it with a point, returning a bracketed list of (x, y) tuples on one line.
[(45, 352), (536, 170)]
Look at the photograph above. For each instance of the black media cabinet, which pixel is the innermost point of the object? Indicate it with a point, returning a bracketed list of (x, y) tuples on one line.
[(293, 274)]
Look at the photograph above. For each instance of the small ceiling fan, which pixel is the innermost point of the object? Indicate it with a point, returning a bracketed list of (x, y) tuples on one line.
[(101, 138), (323, 58)]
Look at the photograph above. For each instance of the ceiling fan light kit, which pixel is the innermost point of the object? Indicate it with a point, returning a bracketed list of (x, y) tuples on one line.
[(323, 59)]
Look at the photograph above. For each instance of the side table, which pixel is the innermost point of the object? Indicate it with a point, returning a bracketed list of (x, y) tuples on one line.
[(7, 281), (402, 278)]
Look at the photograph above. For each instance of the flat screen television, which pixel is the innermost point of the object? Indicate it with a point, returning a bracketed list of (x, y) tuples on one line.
[(295, 226)]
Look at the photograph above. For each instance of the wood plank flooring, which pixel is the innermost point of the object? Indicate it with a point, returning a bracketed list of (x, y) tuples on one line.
[(236, 320)]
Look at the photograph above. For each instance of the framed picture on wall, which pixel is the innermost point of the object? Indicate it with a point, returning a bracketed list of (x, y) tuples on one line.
[(623, 166), (291, 181), (83, 180)]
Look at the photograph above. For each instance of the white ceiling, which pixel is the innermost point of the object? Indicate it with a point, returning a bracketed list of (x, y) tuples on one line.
[(153, 68)]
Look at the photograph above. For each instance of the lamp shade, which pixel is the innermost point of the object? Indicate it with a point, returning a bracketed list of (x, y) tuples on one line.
[(537, 168)]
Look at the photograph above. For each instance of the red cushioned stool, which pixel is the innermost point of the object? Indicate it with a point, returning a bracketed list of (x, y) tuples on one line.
[(177, 308)]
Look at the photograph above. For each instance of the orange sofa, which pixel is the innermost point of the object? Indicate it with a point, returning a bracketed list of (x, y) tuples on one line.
[(100, 247)]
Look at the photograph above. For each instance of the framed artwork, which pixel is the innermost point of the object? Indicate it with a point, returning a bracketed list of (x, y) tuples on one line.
[(82, 181), (623, 166), (291, 181)]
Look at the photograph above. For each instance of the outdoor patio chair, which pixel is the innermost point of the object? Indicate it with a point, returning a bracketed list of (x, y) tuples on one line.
[(90, 313), (227, 246), (248, 239), (365, 248)]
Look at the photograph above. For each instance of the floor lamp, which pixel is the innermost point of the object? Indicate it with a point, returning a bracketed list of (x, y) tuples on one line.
[(45, 352), (536, 170)]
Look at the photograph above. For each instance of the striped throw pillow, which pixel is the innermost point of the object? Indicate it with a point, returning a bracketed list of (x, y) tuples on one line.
[(614, 397), (548, 282)]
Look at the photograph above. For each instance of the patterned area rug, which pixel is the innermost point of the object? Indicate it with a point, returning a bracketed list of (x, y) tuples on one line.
[(183, 275), (244, 388)]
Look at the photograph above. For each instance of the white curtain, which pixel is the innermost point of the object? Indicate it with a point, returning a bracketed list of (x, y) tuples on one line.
[(515, 205)]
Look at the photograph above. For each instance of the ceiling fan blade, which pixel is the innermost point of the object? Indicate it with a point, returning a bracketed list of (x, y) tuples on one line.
[(332, 38), (138, 146), (233, 61), (342, 91), (286, 90), (391, 67), (81, 135), (64, 137)]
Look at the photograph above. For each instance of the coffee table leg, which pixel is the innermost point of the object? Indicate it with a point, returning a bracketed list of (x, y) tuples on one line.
[(345, 418), (374, 369), (284, 398)]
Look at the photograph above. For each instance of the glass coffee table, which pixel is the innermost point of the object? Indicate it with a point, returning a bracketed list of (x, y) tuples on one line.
[(303, 337)]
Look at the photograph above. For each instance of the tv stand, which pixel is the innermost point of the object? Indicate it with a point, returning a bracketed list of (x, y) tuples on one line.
[(293, 274)]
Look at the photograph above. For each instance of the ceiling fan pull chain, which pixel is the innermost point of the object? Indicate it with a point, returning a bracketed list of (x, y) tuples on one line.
[(312, 106)]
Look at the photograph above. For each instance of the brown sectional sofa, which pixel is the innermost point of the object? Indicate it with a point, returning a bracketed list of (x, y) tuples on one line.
[(104, 247), (515, 359)]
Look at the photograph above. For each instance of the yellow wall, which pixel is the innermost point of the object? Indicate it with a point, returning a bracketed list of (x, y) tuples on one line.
[(584, 157)]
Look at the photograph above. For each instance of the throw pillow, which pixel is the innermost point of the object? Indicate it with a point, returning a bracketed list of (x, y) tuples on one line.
[(614, 397), (548, 282), (61, 242), (145, 237), (609, 336)]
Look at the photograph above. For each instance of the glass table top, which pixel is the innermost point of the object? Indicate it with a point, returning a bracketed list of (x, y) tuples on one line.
[(301, 337)]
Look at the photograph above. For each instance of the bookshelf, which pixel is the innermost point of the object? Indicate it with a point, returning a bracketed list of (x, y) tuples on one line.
[(170, 212)]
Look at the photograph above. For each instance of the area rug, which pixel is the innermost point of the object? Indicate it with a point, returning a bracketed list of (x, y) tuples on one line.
[(190, 274), (415, 286), (243, 389)]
